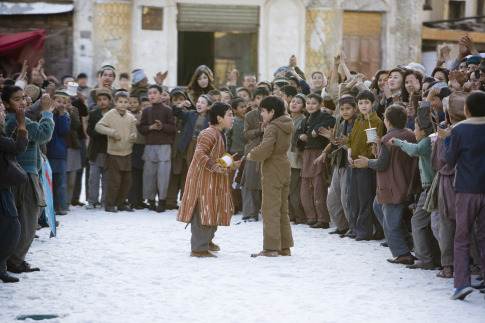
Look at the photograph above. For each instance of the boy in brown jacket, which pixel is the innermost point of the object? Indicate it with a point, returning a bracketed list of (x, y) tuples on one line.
[(276, 175)]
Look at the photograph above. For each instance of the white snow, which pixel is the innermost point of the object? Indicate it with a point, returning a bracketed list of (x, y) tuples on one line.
[(135, 267)]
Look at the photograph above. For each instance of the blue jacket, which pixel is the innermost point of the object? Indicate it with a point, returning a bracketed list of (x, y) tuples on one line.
[(56, 148), (189, 117), (31, 160), (465, 150)]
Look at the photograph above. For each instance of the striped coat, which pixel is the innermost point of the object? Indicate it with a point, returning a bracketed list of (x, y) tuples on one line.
[(211, 190)]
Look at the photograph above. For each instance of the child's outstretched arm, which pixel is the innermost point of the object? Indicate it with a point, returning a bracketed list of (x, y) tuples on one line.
[(421, 149), (265, 148)]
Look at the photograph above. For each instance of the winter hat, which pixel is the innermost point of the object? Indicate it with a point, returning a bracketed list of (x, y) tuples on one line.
[(347, 100), (138, 76), (475, 59), (177, 90), (456, 105), (423, 119), (281, 69), (104, 92), (61, 94), (108, 67), (208, 98), (33, 91), (416, 67), (281, 80)]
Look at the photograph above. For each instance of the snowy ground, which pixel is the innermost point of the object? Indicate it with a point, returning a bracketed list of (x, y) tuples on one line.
[(135, 267)]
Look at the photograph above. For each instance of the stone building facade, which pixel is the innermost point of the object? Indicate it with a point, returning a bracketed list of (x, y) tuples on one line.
[(255, 36)]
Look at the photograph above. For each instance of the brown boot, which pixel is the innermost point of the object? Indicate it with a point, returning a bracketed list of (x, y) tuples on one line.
[(202, 254), (265, 253), (284, 252), (213, 247)]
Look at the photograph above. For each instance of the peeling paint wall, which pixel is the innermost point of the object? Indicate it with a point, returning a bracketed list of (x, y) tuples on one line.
[(323, 38)]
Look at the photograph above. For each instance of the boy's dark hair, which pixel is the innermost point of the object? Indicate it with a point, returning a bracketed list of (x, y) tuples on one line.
[(397, 116), (143, 99), (273, 102), (65, 77), (315, 96), (121, 94), (260, 91), (235, 102), (177, 95), (214, 92), (294, 79), (218, 109), (8, 91), (475, 103), (156, 86), (289, 90), (124, 76), (365, 95), (245, 90), (82, 76), (428, 80)]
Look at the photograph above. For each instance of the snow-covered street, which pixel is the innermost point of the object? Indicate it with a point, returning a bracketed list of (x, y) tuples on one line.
[(135, 267)]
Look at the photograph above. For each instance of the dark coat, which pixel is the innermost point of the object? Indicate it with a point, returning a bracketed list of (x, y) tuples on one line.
[(98, 143), (189, 117), (317, 120)]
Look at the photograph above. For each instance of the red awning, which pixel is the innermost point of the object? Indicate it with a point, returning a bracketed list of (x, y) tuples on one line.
[(23, 46)]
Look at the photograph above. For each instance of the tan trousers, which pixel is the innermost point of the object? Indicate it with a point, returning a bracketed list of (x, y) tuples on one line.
[(276, 223)]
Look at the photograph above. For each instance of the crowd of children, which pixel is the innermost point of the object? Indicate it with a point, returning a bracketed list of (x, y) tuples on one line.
[(396, 157)]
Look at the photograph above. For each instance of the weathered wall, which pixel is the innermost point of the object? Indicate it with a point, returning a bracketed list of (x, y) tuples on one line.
[(402, 33)]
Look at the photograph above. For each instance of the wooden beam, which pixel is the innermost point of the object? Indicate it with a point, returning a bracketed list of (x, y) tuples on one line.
[(450, 35)]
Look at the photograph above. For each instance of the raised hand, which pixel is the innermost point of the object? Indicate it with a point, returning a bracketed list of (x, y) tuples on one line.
[(326, 132), (160, 77), (292, 62), (20, 118), (46, 102)]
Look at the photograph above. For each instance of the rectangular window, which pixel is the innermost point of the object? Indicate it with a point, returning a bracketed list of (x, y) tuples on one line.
[(456, 9), (152, 18)]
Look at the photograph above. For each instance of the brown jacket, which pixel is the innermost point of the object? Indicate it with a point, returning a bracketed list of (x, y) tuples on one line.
[(164, 114), (273, 150), (203, 186), (400, 181)]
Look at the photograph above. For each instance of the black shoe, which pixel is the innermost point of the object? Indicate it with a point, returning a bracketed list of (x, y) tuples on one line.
[(361, 239), (137, 206), (125, 208), (174, 207), (350, 235), (310, 223), (23, 268), (161, 206), (378, 236), (337, 231), (152, 206), (7, 278), (320, 225), (384, 244), (111, 209)]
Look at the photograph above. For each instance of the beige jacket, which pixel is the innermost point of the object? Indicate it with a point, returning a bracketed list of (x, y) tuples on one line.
[(113, 123)]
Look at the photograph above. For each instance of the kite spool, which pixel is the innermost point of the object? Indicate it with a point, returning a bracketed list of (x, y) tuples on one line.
[(371, 134), (226, 160), (72, 88)]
